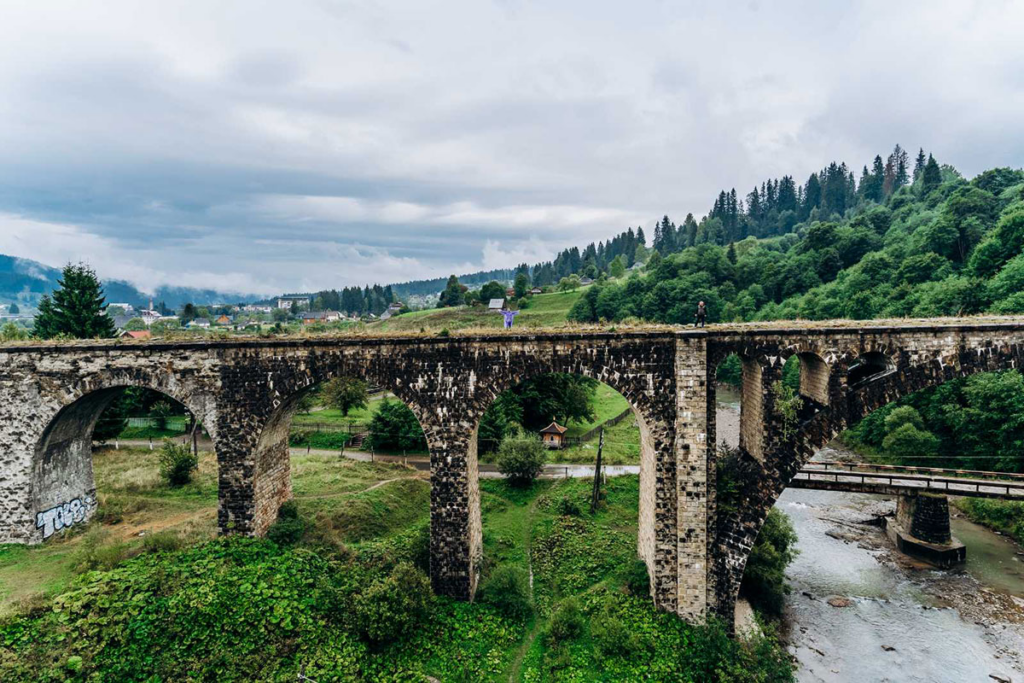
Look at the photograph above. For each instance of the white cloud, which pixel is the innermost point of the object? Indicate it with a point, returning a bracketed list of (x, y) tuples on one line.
[(175, 139)]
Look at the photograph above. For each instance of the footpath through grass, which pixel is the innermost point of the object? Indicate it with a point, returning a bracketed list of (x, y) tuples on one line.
[(340, 592)]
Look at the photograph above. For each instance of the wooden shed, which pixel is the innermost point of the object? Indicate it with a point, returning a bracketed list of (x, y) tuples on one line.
[(553, 435)]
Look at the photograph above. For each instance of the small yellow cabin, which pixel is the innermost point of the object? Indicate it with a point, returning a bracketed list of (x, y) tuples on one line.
[(553, 435)]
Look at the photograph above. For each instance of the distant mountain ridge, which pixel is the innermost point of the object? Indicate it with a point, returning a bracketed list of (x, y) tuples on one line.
[(24, 281)]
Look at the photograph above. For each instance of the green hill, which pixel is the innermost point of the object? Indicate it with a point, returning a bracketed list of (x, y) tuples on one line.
[(544, 310)]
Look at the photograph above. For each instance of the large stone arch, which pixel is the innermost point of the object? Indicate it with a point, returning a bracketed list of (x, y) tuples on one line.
[(644, 377), (763, 482), (60, 489)]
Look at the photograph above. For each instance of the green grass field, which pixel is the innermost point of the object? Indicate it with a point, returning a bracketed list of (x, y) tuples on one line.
[(544, 310)]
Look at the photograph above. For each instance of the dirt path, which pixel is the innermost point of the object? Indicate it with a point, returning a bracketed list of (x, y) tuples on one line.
[(516, 667)]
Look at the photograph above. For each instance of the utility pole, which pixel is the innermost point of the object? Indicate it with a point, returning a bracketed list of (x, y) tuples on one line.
[(596, 495)]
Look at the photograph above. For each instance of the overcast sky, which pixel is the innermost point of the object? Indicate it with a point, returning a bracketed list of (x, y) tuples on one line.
[(269, 146)]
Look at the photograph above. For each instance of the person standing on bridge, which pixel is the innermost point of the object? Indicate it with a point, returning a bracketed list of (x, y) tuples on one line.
[(702, 313)]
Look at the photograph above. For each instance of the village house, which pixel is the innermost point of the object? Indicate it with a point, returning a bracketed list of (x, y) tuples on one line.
[(199, 323), (222, 320), (311, 317), (496, 305), (553, 435), (586, 281), (536, 290), (256, 308), (135, 334), (290, 301)]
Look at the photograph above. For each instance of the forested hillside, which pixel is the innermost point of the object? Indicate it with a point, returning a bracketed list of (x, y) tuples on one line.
[(925, 243)]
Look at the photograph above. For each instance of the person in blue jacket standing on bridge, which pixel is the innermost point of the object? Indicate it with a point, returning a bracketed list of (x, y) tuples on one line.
[(702, 313)]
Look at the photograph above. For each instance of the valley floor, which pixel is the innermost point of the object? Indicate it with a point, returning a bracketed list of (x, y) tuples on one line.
[(147, 592)]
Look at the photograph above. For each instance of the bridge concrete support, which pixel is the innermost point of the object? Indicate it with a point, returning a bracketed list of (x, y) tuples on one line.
[(921, 530)]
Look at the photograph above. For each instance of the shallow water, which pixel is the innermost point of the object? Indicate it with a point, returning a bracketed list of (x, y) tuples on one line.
[(899, 625)]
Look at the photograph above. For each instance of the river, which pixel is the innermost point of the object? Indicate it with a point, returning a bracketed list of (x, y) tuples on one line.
[(898, 620)]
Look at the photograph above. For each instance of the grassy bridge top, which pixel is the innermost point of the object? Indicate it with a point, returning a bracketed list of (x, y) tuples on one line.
[(374, 335)]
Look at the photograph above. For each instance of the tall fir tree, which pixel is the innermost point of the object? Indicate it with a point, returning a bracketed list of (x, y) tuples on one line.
[(919, 163), (931, 177), (76, 307)]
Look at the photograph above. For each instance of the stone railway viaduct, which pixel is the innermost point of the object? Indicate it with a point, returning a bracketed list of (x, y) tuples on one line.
[(246, 390)]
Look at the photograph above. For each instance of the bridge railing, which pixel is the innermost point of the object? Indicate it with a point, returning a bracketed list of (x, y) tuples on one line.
[(912, 469), (866, 481)]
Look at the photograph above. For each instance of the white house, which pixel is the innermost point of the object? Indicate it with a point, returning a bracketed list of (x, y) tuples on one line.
[(290, 301), (496, 305)]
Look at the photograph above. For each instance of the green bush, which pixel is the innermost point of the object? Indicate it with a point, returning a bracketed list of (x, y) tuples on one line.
[(289, 527), (521, 458), (610, 634), (508, 589), (394, 427), (568, 505), (177, 463), (567, 622), (391, 607), (97, 552), (764, 580), (637, 580), (161, 542)]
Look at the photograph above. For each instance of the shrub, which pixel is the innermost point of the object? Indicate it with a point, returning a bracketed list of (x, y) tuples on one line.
[(611, 635), (160, 542), (907, 441), (177, 463), (521, 458), (289, 527), (764, 581), (95, 553), (567, 622), (568, 506), (508, 589), (390, 607), (902, 415), (637, 580)]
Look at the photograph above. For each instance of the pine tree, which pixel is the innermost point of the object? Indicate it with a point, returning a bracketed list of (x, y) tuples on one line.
[(931, 177), (75, 308), (731, 253), (900, 158), (919, 163)]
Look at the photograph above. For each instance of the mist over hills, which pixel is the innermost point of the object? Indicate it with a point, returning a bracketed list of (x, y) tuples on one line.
[(24, 281)]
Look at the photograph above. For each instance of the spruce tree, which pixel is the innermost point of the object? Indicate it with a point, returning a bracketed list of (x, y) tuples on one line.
[(919, 163), (76, 307), (931, 177)]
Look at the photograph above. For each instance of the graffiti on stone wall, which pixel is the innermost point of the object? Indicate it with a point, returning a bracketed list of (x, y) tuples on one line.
[(64, 515)]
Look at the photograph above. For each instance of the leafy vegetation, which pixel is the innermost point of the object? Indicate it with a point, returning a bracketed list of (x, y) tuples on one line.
[(971, 423), (394, 427), (521, 458), (354, 603), (177, 463)]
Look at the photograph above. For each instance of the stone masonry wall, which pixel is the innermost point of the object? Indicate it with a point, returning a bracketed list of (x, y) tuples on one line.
[(245, 391)]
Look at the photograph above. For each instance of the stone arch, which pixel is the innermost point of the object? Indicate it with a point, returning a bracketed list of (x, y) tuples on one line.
[(271, 456), (764, 482), (656, 542), (62, 490)]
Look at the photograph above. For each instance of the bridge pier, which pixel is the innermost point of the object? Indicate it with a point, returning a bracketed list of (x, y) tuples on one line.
[(921, 530)]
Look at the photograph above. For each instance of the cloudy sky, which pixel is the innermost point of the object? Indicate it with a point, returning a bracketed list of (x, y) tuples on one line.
[(268, 146)]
